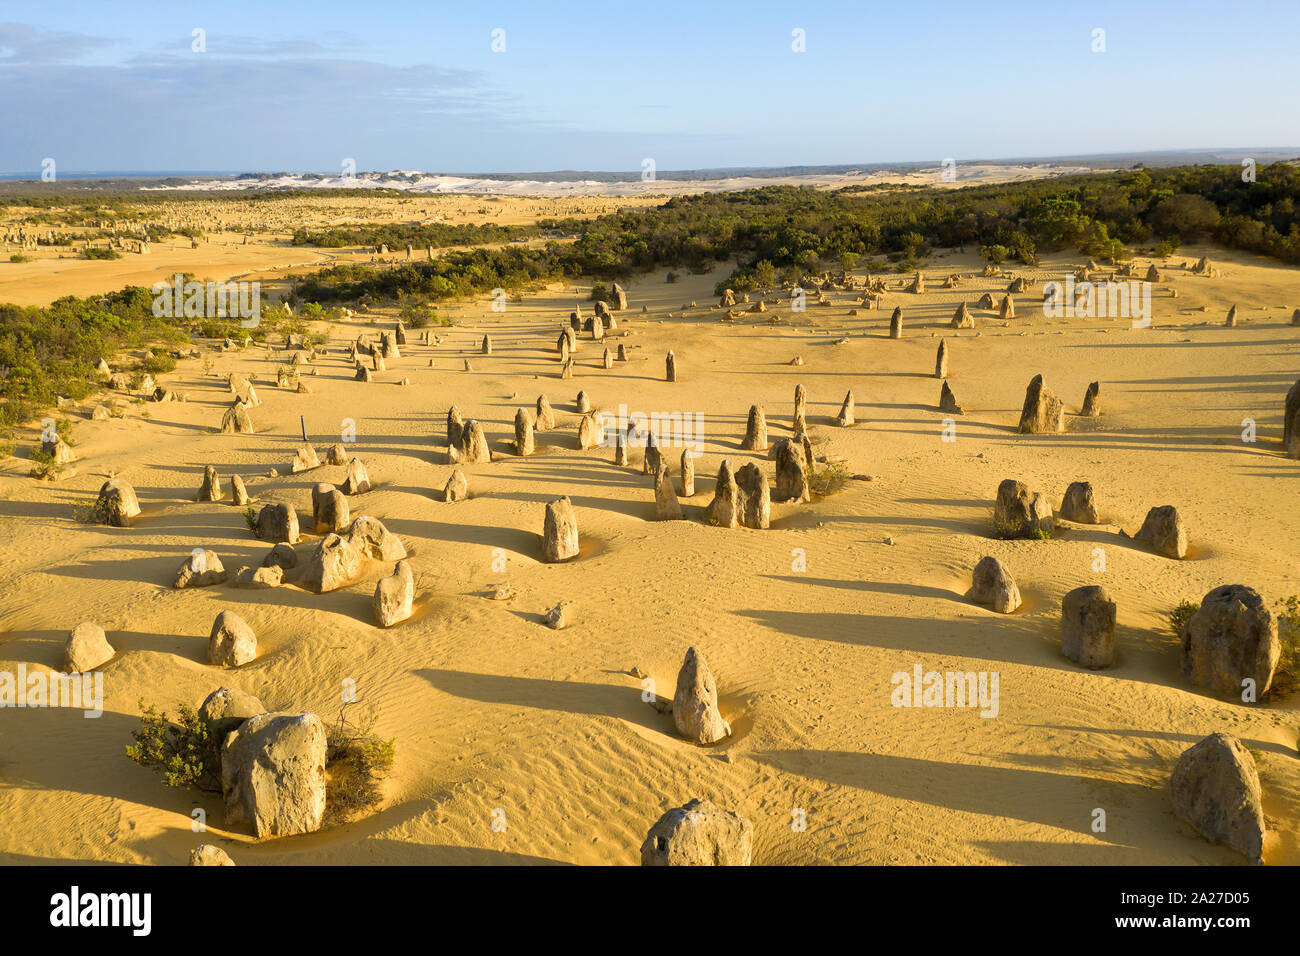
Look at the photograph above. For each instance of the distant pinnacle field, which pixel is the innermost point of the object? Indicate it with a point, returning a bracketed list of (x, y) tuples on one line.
[(517, 741)]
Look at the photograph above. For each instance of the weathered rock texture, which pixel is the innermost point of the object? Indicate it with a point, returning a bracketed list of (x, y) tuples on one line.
[(201, 569), (1163, 529), (273, 774), (755, 496), (1088, 627), (231, 642), (755, 430), (1043, 412), (394, 596), (277, 522), (1079, 504), (87, 648), (559, 531), (1216, 790), (1021, 513), (1231, 638), (695, 704), (993, 586), (699, 834)]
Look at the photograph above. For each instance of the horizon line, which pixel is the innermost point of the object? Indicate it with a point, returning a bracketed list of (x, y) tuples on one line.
[(1292, 152)]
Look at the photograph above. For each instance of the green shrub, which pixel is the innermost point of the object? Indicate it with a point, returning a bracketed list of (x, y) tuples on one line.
[(99, 252), (355, 771), (1005, 532), (183, 753), (356, 763), (995, 254), (63, 428), (157, 364), (250, 518), (19, 257), (44, 467), (95, 513), (215, 328), (829, 480), (1179, 615), (420, 314)]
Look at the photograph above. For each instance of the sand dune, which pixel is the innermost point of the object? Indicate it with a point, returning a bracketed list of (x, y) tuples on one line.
[(430, 183)]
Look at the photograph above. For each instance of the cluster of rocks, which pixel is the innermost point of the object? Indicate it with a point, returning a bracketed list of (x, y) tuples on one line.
[(1087, 613), (740, 498), (273, 764), (1019, 512), (337, 559), (466, 440)]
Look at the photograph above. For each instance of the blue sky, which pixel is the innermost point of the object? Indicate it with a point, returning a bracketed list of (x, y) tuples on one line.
[(300, 86)]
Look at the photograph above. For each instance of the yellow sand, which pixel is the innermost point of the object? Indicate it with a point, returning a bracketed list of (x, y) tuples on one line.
[(491, 710)]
